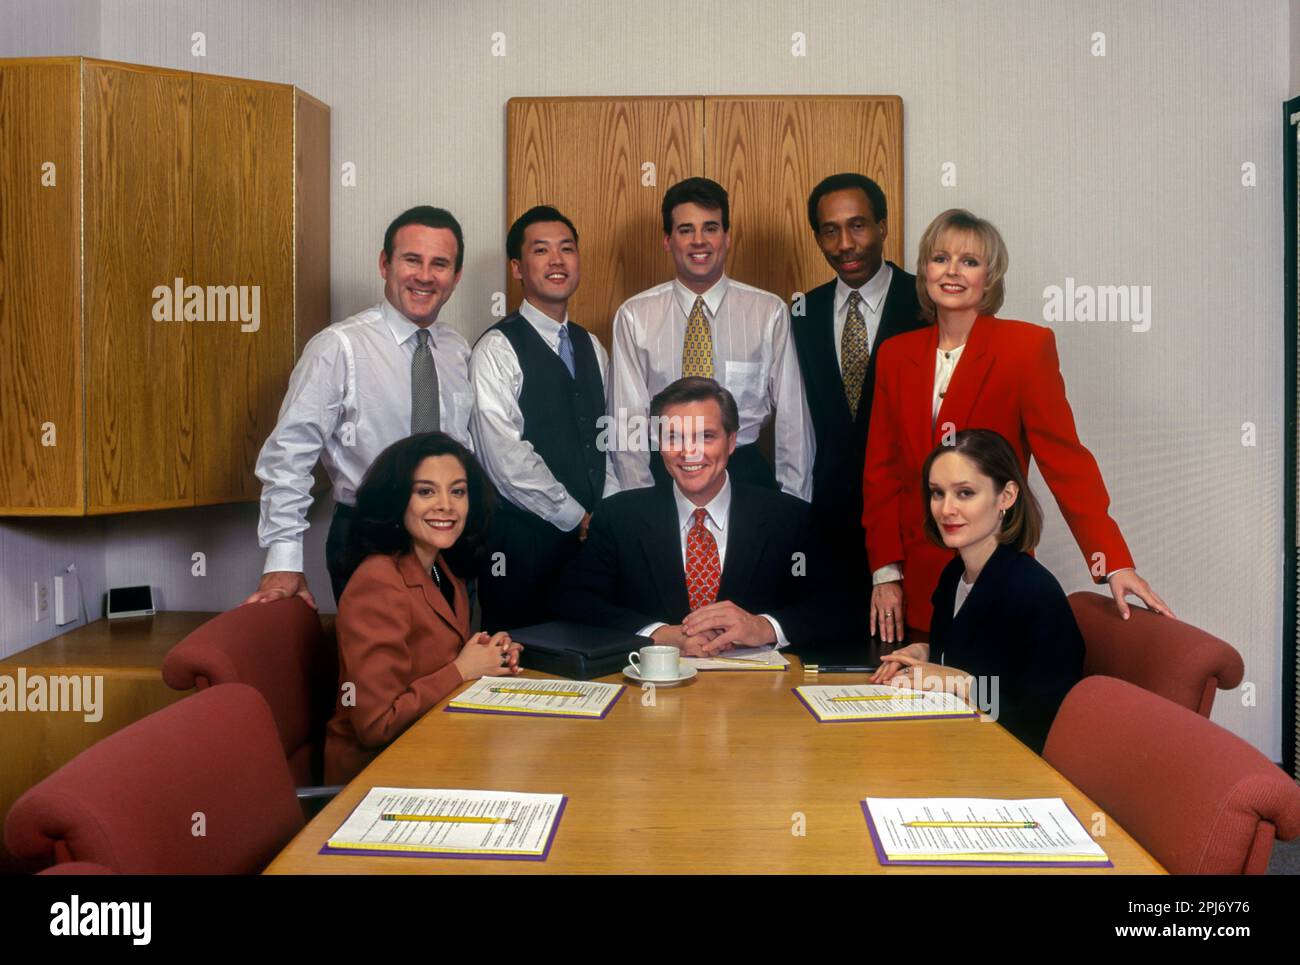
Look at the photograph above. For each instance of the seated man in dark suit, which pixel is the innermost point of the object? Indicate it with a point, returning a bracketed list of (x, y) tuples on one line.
[(837, 336), (706, 563)]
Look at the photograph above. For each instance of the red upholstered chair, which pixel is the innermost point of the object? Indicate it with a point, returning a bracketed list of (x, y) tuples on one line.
[(132, 801), (1167, 657), (277, 647), (1197, 797)]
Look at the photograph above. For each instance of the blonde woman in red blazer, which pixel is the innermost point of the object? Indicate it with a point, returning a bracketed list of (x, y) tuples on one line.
[(971, 370), (403, 622)]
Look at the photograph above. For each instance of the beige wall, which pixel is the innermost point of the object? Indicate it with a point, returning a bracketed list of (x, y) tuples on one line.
[(1122, 169)]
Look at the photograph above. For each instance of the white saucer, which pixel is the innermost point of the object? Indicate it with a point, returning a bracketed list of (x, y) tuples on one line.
[(686, 673)]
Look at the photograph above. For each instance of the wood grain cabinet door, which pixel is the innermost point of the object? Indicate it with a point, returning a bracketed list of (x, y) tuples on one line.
[(138, 236), (605, 163), (40, 289), (244, 256)]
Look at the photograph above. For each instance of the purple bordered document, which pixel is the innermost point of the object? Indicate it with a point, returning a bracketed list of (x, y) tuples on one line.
[(856, 702), (531, 697), (413, 822), (980, 832)]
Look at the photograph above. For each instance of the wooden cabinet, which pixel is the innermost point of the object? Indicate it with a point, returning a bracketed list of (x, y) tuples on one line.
[(165, 240), (607, 161)]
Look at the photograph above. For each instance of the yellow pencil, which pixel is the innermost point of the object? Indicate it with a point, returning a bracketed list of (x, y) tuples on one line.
[(970, 824), (909, 696), (445, 819), (542, 693)]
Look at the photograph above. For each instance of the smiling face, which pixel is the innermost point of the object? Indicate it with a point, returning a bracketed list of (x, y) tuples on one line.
[(957, 273), (698, 245), (964, 504), (548, 266), (439, 506), (421, 275), (695, 448), (850, 237)]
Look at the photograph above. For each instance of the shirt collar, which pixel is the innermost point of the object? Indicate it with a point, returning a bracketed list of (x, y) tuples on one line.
[(547, 327), (712, 298), (402, 327), (719, 508), (873, 292)]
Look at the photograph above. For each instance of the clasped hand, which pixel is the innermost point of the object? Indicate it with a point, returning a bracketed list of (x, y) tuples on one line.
[(716, 628)]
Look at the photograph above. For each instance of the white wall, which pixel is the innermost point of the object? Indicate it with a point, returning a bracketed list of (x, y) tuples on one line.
[(1122, 169)]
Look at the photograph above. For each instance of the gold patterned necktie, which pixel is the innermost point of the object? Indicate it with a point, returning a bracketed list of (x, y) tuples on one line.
[(697, 348), (854, 353)]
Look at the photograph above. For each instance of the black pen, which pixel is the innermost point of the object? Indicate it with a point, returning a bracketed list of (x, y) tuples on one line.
[(837, 668)]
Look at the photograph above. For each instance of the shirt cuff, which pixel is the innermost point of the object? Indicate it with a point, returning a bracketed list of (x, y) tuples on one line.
[(569, 516), (886, 574), (650, 628), (1120, 570), (781, 641), (284, 556)]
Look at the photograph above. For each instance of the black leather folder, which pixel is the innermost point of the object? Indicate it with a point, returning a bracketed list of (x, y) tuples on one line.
[(575, 650)]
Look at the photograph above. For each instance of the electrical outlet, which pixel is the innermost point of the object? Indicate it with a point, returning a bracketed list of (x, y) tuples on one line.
[(41, 597)]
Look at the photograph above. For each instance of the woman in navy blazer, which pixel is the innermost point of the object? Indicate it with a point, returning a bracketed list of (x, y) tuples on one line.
[(999, 615)]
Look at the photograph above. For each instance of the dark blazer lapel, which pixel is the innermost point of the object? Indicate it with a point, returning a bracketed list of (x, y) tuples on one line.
[(416, 577), (893, 320), (745, 537), (967, 378), (822, 316), (661, 544), (984, 593)]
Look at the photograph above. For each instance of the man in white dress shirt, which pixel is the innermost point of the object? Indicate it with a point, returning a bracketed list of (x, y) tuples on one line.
[(539, 388), (362, 384), (704, 324)]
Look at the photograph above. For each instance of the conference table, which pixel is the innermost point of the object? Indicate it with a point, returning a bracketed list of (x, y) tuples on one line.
[(727, 773)]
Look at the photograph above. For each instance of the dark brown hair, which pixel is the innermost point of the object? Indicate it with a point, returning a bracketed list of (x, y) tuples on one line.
[(694, 388), (385, 492), (992, 456)]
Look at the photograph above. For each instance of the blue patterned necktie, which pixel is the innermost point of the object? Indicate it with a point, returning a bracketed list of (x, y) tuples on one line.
[(566, 350)]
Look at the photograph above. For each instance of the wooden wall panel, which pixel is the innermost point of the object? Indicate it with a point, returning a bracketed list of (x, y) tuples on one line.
[(40, 288), (311, 142), (243, 236), (585, 156), (139, 410), (769, 152)]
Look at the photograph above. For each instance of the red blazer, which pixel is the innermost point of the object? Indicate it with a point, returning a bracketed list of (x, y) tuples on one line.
[(1008, 379), (397, 640)]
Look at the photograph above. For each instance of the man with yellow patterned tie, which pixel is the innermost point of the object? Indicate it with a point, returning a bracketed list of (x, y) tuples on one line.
[(704, 324), (842, 325)]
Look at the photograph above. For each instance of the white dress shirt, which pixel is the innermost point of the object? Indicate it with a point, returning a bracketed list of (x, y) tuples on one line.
[(512, 464), (963, 591), (716, 522), (752, 356), (349, 398), (873, 304)]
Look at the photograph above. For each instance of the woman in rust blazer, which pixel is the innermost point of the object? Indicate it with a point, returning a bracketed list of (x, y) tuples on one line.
[(972, 370), (403, 621)]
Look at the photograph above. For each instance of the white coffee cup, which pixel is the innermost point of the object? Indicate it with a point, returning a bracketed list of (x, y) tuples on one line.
[(656, 663)]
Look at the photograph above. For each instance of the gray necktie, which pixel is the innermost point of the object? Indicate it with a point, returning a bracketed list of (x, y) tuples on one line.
[(566, 349), (424, 387)]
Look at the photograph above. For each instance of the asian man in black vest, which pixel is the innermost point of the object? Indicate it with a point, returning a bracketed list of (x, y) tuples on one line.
[(539, 398), (837, 332)]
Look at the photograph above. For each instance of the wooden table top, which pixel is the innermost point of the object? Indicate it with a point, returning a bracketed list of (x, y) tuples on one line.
[(710, 778), (130, 646)]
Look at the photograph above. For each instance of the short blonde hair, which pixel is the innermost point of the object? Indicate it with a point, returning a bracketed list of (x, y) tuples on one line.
[(961, 221)]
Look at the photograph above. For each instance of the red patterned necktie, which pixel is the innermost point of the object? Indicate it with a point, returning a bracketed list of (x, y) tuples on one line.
[(703, 571)]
